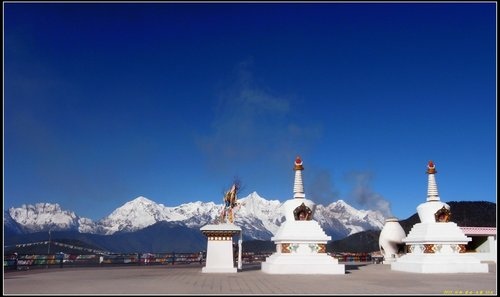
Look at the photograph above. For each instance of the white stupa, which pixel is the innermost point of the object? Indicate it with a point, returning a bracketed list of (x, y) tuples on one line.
[(300, 241), (436, 245)]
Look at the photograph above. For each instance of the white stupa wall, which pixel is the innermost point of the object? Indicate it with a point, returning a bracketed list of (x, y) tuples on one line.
[(436, 233), (290, 205), (301, 249), (439, 263), (427, 210)]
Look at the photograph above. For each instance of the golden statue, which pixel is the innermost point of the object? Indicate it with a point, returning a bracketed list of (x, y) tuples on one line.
[(230, 202)]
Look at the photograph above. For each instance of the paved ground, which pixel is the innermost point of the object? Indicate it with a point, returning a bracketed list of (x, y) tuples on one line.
[(359, 279)]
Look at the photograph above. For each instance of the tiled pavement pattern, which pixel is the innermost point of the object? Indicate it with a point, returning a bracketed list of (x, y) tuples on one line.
[(360, 279)]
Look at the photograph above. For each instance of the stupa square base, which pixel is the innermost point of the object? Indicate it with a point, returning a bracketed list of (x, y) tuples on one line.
[(219, 270), (438, 263), (389, 261), (302, 264)]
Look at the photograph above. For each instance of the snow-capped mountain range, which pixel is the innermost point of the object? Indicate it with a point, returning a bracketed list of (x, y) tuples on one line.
[(259, 218)]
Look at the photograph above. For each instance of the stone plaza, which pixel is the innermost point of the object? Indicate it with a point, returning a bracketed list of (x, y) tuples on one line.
[(359, 279)]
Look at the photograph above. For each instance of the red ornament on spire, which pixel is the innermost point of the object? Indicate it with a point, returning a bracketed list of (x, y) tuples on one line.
[(298, 164), (431, 168)]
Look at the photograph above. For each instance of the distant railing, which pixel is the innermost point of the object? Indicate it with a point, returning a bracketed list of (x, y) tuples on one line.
[(353, 257), (26, 262)]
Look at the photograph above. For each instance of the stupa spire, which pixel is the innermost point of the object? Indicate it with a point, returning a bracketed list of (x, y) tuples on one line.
[(432, 191), (298, 186)]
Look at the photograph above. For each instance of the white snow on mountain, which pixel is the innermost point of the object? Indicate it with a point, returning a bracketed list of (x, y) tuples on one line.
[(195, 214), (44, 217), (133, 215), (258, 217), (86, 225), (340, 215)]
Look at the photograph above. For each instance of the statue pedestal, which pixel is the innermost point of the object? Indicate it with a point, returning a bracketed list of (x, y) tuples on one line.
[(220, 257)]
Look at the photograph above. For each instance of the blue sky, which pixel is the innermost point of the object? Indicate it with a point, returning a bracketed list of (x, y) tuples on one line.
[(105, 102)]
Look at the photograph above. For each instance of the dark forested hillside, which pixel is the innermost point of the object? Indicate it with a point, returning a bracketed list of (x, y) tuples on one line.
[(464, 214), (259, 246), (362, 242)]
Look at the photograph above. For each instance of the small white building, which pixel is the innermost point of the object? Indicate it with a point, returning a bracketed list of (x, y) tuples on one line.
[(484, 242)]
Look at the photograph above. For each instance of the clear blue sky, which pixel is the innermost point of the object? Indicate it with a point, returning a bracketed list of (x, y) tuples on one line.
[(107, 102)]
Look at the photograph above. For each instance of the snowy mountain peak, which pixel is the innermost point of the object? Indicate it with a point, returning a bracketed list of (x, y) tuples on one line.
[(134, 215), (254, 196), (43, 217), (140, 200), (258, 217)]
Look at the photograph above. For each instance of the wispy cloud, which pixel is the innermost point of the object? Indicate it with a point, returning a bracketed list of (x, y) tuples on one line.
[(250, 123), (363, 194), (321, 189)]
